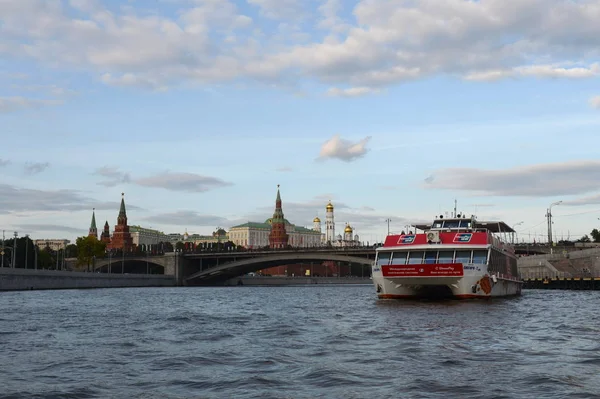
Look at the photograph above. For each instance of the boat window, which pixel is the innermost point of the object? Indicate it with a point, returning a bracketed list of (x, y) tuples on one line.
[(465, 224), (446, 257), (451, 224), (463, 256), (437, 224), (415, 257), (480, 257), (430, 257), (399, 258), (383, 258)]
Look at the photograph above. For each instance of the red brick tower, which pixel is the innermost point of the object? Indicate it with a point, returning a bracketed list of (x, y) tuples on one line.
[(93, 232), (105, 237), (121, 238), (278, 238)]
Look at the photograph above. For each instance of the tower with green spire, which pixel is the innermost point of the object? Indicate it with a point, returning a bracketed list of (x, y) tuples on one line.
[(121, 238), (278, 237), (93, 232)]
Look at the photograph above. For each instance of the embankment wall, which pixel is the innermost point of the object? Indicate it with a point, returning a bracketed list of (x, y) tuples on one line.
[(28, 279)]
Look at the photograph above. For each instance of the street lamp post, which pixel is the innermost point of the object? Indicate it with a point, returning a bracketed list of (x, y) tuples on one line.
[(26, 248), (513, 234), (549, 216), (2, 249), (14, 254)]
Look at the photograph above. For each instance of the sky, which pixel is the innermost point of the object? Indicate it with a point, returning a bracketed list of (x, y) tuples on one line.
[(391, 109)]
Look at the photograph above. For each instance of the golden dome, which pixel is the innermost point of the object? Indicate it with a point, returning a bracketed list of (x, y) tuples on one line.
[(348, 229), (329, 207), (316, 220)]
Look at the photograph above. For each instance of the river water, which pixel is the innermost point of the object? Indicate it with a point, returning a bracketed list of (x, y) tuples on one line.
[(295, 342)]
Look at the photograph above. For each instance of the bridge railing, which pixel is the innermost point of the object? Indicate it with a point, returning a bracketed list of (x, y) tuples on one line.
[(129, 255), (278, 250)]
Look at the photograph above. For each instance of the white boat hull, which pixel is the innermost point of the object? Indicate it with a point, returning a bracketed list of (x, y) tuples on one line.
[(473, 284)]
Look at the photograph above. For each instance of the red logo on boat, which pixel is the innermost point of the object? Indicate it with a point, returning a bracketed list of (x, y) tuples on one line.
[(406, 239), (434, 270)]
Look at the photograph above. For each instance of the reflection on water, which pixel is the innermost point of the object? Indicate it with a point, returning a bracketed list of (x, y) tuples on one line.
[(295, 342)]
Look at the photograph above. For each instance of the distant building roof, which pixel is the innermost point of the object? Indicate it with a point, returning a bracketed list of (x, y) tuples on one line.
[(267, 226), (254, 225)]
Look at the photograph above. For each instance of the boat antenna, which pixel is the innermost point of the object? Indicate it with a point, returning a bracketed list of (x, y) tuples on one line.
[(454, 208)]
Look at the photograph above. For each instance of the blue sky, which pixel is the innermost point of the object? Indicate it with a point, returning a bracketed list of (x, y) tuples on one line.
[(197, 109)]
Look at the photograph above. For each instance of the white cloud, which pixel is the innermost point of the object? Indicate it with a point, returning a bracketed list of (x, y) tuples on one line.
[(344, 150), (543, 180), (583, 201), (34, 168), (10, 104), (188, 218), (189, 182), (18, 199), (284, 169), (33, 228), (113, 176), (595, 102), (350, 92), (280, 9), (4, 162), (388, 42), (540, 71), (132, 80)]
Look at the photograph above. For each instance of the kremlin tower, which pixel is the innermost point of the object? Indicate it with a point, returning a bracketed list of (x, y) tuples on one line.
[(329, 224), (278, 238), (121, 238), (93, 232), (105, 237)]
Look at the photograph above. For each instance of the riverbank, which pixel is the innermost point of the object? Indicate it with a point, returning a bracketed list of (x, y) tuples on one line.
[(28, 279), (279, 281)]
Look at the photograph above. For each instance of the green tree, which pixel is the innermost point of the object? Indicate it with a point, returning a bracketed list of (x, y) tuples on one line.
[(179, 246), (46, 258), (595, 235), (71, 251), (585, 238), (88, 248)]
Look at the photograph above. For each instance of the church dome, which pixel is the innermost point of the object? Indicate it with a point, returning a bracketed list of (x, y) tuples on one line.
[(329, 206), (348, 229), (316, 220)]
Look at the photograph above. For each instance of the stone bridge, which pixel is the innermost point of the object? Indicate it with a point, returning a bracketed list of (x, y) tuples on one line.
[(220, 273), (164, 264)]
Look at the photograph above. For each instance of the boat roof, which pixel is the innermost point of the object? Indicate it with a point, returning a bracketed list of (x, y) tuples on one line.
[(492, 226)]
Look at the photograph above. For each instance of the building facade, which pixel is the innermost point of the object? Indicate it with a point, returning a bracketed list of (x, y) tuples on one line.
[(144, 237), (276, 232), (52, 243)]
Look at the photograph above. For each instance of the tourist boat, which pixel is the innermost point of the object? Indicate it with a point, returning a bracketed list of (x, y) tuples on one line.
[(455, 257)]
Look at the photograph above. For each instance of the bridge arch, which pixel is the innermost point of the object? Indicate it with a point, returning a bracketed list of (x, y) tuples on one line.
[(236, 268), (129, 265)]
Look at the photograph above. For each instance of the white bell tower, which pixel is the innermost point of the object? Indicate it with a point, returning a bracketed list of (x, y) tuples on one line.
[(329, 224)]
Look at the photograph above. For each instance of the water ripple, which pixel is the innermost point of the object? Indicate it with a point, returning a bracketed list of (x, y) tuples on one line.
[(295, 342)]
